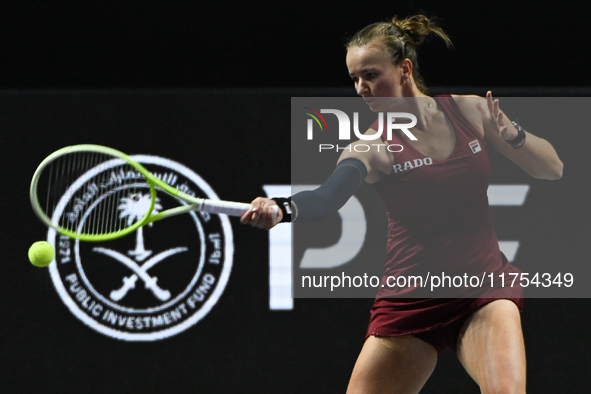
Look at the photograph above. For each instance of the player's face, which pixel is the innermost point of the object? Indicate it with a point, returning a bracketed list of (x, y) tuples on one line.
[(373, 73)]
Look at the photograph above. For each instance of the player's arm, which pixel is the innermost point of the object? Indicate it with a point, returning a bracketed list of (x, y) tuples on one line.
[(352, 169), (536, 156), (377, 160)]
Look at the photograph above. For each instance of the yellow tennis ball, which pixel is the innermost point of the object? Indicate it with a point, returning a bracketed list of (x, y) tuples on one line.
[(41, 254)]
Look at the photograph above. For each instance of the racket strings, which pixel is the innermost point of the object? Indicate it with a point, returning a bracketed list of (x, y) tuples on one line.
[(92, 193)]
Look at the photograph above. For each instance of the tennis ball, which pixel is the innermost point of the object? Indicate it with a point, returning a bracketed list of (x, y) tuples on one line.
[(41, 254)]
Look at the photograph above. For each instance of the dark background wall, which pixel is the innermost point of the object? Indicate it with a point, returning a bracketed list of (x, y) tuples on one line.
[(142, 76), (140, 44)]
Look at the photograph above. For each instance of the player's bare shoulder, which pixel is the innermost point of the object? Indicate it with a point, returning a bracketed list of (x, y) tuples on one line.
[(468, 105)]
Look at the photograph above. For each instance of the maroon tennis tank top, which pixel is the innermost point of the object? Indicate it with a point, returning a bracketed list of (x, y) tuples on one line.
[(439, 220)]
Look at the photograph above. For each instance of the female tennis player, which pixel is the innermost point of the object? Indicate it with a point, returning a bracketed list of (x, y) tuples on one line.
[(438, 214)]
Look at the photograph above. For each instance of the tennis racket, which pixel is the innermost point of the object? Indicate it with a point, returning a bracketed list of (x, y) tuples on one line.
[(96, 193)]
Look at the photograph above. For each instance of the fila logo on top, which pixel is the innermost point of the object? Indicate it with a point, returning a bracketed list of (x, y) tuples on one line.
[(157, 283), (475, 146)]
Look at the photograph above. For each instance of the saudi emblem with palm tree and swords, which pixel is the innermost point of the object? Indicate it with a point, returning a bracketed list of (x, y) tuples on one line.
[(134, 207)]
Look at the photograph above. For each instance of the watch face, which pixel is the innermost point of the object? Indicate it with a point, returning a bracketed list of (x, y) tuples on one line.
[(518, 141)]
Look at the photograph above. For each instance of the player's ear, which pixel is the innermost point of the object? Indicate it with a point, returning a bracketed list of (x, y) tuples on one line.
[(406, 68)]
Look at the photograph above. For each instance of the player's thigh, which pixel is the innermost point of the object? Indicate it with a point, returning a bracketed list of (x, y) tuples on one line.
[(491, 348), (392, 365)]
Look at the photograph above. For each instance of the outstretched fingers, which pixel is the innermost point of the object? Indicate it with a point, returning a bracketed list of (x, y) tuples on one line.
[(493, 117)]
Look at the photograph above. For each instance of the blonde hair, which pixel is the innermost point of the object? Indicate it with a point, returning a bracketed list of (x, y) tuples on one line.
[(401, 37)]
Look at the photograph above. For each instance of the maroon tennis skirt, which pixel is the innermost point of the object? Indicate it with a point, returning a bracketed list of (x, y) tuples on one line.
[(437, 321)]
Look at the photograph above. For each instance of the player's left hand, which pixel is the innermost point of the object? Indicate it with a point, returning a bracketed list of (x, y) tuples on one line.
[(494, 119)]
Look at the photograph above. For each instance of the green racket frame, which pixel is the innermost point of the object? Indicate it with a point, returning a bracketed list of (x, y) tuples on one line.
[(195, 204)]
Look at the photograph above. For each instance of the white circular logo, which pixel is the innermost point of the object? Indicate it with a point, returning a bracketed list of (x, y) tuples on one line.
[(156, 282)]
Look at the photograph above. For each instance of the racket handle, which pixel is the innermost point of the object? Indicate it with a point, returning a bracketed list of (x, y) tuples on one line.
[(226, 207)]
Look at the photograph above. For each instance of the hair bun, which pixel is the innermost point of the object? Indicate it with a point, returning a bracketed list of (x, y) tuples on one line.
[(418, 27)]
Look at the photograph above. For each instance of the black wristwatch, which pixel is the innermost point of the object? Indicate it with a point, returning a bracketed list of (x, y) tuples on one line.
[(518, 141)]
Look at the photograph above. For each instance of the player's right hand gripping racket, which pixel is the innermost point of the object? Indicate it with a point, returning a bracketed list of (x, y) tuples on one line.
[(80, 191)]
